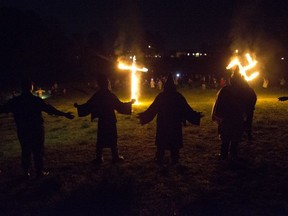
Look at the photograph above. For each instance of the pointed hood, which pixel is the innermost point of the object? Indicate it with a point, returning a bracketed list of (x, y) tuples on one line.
[(169, 84), (102, 81), (236, 78), (26, 85)]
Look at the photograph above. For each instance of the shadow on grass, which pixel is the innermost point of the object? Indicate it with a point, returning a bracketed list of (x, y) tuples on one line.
[(113, 195), (240, 188)]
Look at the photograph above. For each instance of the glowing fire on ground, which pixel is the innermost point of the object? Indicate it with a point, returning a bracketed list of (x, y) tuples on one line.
[(244, 68), (135, 77)]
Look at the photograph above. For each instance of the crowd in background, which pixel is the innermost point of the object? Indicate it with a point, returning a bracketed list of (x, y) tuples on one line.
[(202, 81)]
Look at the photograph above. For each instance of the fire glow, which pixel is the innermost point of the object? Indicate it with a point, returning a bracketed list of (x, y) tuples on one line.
[(243, 69), (135, 77)]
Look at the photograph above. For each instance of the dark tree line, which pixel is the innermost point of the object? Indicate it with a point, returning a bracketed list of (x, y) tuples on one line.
[(38, 48), (35, 46)]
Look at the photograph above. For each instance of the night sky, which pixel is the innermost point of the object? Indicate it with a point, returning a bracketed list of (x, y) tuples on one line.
[(182, 23)]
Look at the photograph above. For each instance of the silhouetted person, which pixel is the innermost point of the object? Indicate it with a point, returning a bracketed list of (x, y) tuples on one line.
[(27, 110), (229, 111), (171, 109), (251, 99), (102, 105)]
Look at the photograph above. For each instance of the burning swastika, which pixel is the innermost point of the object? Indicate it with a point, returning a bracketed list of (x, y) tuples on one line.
[(244, 68)]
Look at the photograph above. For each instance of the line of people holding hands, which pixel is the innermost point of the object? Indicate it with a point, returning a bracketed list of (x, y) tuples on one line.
[(232, 111)]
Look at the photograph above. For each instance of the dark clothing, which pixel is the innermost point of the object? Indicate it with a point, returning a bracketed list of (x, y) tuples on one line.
[(171, 109), (32, 143), (229, 112), (251, 99), (102, 105), (27, 110)]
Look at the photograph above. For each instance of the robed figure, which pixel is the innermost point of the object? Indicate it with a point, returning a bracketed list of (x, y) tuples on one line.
[(102, 105), (171, 109), (27, 110), (229, 113), (251, 99)]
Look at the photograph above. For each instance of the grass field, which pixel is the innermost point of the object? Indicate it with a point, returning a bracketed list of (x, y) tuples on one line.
[(256, 184)]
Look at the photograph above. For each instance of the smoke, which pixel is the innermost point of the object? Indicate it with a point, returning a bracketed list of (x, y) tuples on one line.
[(130, 32), (253, 30)]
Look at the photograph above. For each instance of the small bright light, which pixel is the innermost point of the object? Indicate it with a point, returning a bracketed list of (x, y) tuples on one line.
[(236, 51), (188, 54), (149, 46), (178, 75), (282, 58), (197, 54)]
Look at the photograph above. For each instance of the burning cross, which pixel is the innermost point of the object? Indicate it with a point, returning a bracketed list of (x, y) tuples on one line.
[(134, 77), (243, 69)]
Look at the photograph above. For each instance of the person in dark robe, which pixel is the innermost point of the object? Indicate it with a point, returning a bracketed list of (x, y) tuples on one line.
[(27, 110), (102, 105), (171, 109), (251, 99), (229, 112)]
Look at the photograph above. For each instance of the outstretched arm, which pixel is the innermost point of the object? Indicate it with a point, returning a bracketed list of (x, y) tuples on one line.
[(53, 111), (191, 115), (83, 109), (123, 107), (148, 115), (283, 98)]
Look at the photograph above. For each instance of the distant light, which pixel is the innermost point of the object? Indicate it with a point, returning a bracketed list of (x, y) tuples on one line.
[(282, 58), (177, 75), (205, 54), (149, 46), (188, 54), (236, 51), (193, 54), (197, 54)]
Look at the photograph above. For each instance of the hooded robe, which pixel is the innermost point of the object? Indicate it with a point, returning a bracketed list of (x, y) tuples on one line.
[(171, 109), (27, 110), (229, 109), (102, 105)]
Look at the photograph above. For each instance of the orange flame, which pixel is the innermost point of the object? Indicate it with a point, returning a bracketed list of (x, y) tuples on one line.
[(135, 90), (243, 69)]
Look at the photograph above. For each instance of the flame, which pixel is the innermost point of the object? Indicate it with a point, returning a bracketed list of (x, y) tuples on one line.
[(243, 69), (135, 77)]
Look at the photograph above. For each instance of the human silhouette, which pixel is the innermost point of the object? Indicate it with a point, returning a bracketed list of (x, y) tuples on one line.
[(27, 110), (102, 105), (251, 99), (171, 109), (229, 111)]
